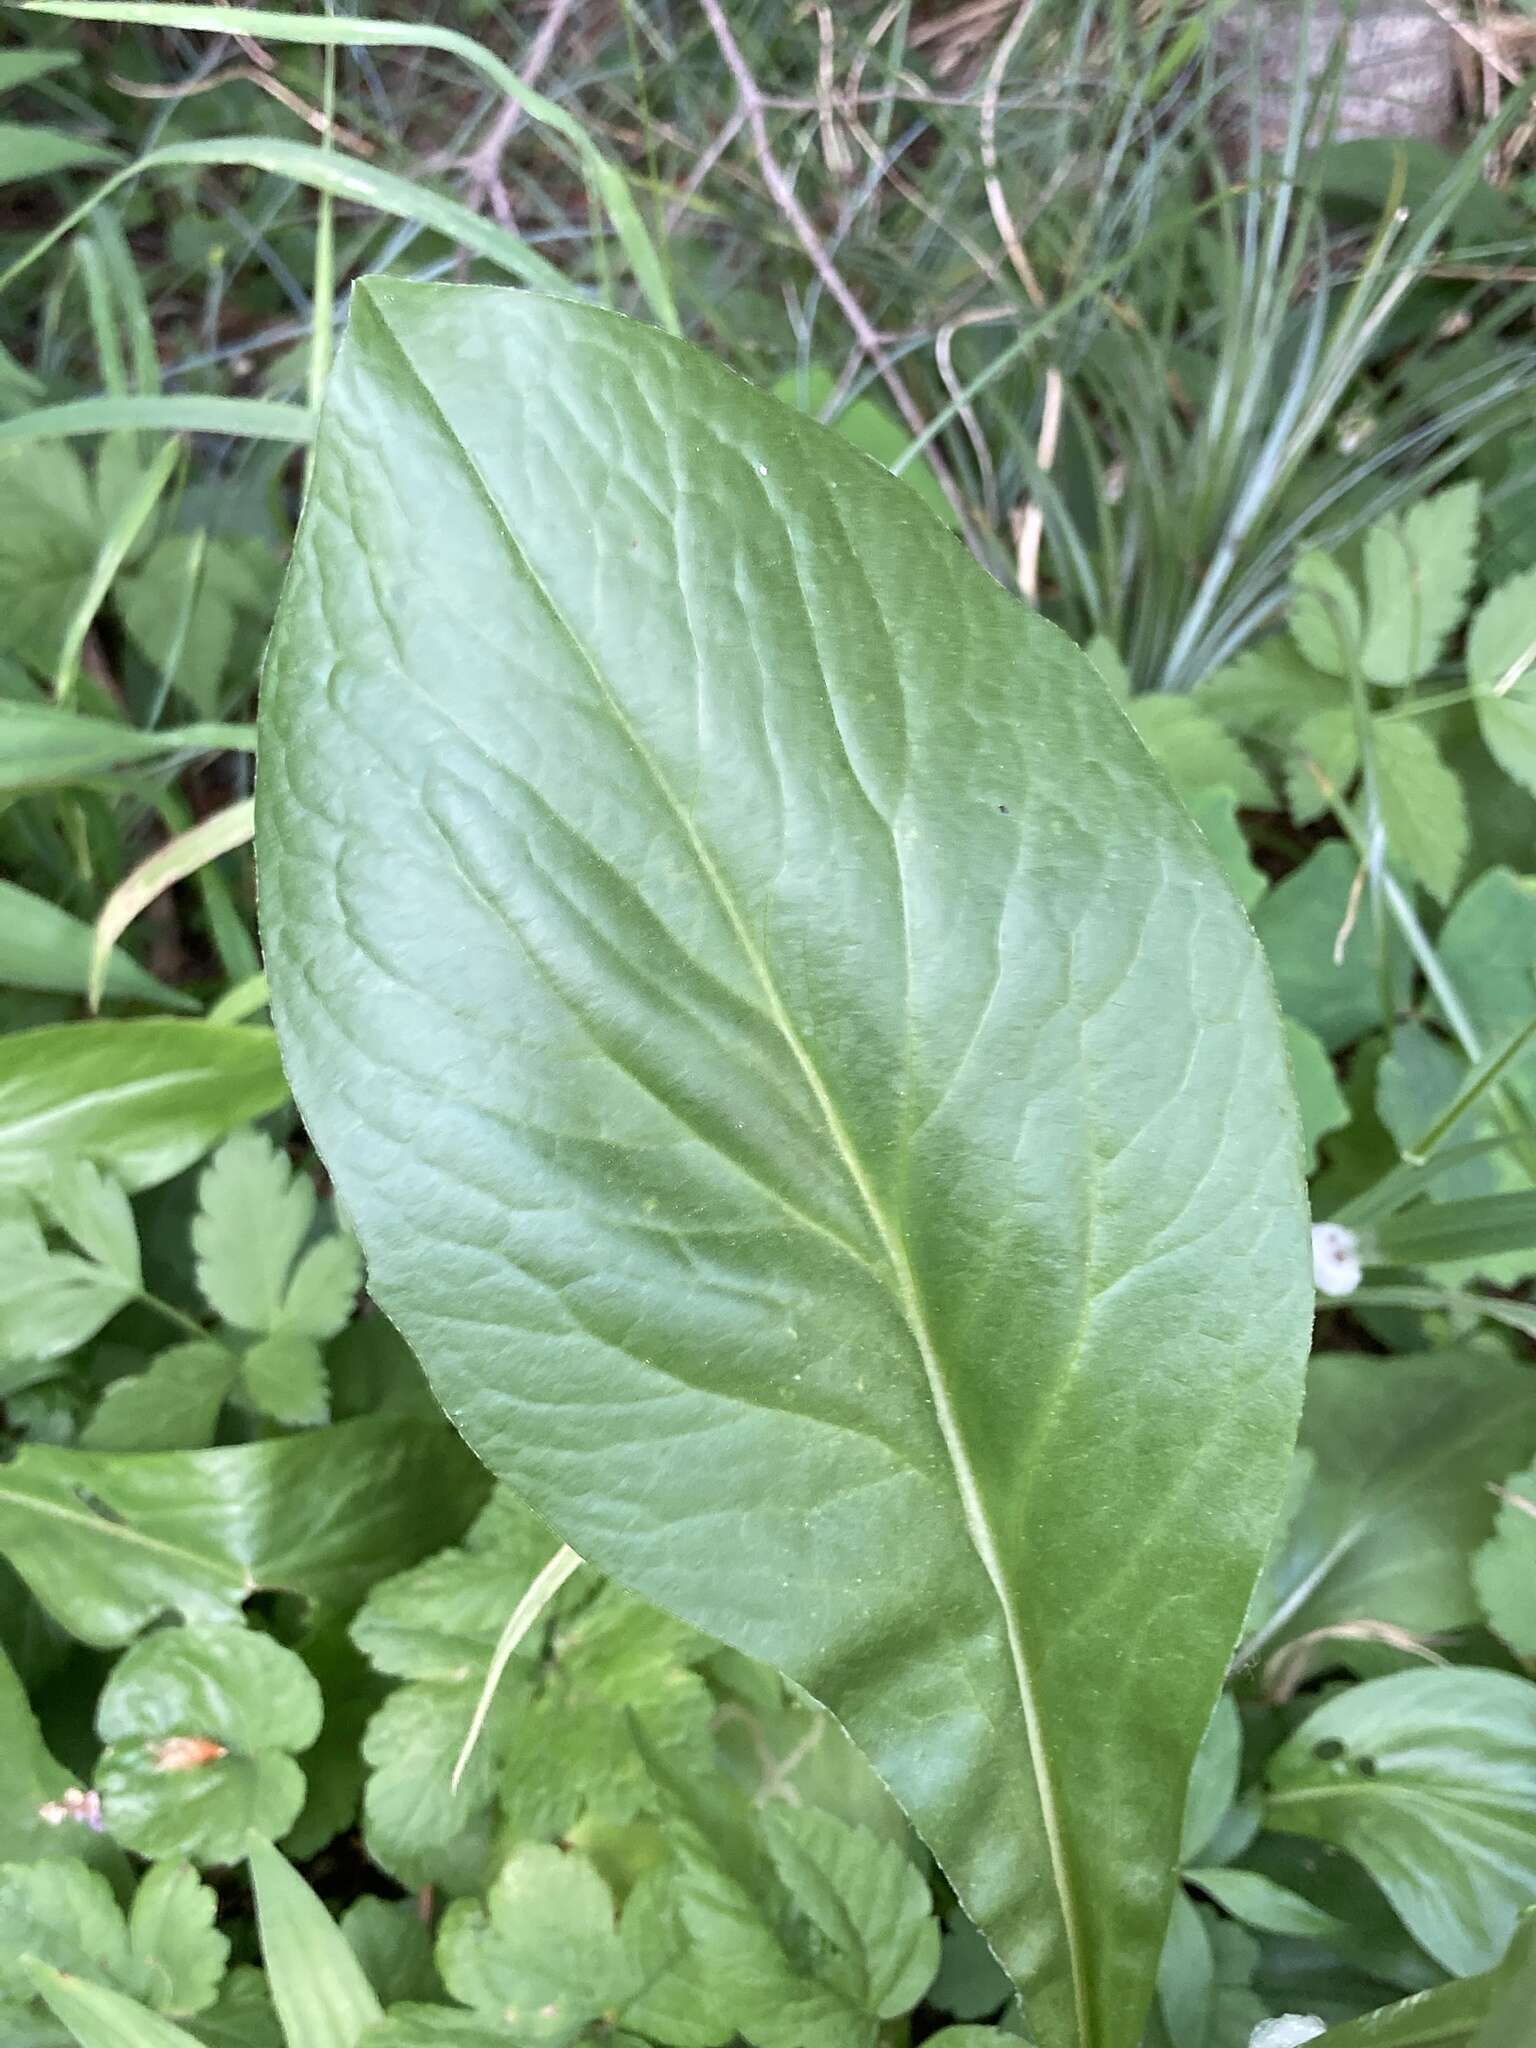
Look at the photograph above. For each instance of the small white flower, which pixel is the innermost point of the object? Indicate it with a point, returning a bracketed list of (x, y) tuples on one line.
[(1289, 2031), (1335, 1272)]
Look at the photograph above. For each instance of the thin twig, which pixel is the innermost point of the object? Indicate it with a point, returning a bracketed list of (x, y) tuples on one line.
[(484, 163), (783, 195), (249, 74)]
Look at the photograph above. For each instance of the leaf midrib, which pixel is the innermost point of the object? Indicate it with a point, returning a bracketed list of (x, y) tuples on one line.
[(908, 1298)]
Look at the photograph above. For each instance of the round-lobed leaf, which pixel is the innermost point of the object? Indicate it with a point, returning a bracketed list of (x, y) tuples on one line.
[(800, 1080), (200, 1726)]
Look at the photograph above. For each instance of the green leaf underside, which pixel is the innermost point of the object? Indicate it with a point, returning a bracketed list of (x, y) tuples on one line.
[(801, 1082)]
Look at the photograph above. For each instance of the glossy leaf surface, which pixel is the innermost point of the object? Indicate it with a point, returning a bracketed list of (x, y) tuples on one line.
[(144, 1098), (800, 1080)]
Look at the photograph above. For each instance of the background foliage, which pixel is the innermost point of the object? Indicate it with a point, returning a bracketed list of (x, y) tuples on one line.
[(1256, 430)]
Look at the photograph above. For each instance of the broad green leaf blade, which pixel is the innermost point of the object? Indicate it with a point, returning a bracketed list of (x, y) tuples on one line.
[(1427, 1778), (142, 1098), (801, 1083), (42, 747), (322, 1997)]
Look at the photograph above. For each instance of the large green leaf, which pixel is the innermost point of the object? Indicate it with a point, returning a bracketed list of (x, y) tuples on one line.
[(144, 1097), (803, 1087)]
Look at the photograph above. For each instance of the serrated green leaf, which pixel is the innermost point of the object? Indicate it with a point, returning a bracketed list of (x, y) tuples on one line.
[(43, 947), (196, 1532), (703, 611), (200, 1727), (1501, 667), (51, 1301), (323, 1290), (1422, 808), (253, 1216), (1194, 752), (756, 1986), (1418, 567), (543, 1955), (870, 1905), (417, 1824), (1504, 1568), (1325, 751), (94, 1212), (322, 1997), (284, 1376), (676, 2003), (1269, 691), (179, 1952), (1398, 1497), (442, 1618), (1425, 1777), (142, 1098), (62, 1913), (570, 1746), (1325, 619), (172, 1405)]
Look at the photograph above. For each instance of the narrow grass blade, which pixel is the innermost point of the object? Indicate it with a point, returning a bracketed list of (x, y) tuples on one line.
[(522, 1618), (240, 1002), (169, 864), (125, 529), (251, 419), (42, 747), (322, 171), (609, 182), (1476, 1228)]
